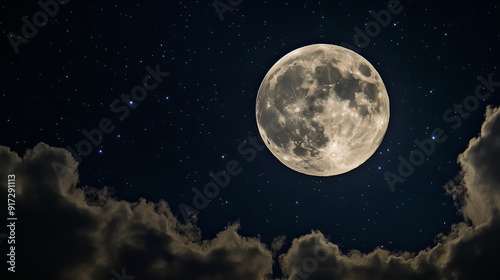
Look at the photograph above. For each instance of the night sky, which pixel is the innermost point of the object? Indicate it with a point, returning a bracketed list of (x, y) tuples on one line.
[(124, 205)]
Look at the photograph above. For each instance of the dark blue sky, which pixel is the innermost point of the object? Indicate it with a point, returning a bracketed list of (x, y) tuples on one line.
[(65, 78)]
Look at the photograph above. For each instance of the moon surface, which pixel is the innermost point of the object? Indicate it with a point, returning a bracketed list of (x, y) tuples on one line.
[(322, 110)]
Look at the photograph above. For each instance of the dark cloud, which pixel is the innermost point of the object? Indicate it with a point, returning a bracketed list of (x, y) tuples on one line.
[(278, 243), (70, 232), (466, 253), (64, 232), (480, 183)]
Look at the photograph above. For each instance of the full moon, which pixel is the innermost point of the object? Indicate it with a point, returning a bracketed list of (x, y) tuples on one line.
[(322, 110)]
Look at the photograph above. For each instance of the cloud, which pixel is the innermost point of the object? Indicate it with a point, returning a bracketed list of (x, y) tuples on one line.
[(466, 253), (64, 232), (479, 189), (69, 232), (278, 243)]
